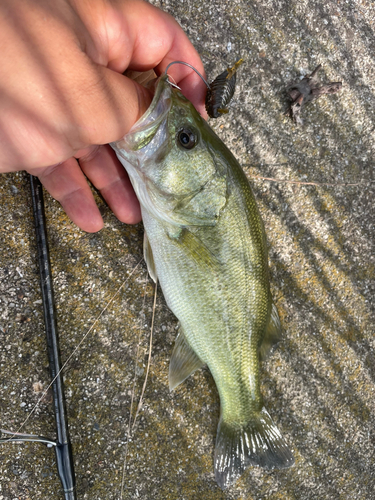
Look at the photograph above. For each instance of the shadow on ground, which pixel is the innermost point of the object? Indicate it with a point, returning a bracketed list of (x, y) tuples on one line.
[(319, 383)]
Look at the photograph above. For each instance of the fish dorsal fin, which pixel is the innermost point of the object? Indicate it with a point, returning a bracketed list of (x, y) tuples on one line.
[(272, 335), (149, 258), (183, 362)]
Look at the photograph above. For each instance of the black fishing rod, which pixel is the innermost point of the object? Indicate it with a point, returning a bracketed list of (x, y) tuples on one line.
[(62, 445), (63, 448)]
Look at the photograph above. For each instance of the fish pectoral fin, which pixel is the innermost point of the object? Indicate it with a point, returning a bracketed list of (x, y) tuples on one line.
[(272, 335), (196, 249), (258, 442), (183, 362), (149, 258)]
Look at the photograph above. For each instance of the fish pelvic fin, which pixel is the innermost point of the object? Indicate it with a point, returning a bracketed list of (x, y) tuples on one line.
[(259, 442), (183, 362), (149, 258), (272, 335)]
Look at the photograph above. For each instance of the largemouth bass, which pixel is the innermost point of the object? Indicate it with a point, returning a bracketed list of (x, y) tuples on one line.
[(205, 242)]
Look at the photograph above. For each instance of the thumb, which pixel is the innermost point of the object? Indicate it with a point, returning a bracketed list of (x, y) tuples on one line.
[(108, 108)]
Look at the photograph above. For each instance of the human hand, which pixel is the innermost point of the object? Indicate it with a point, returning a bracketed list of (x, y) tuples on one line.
[(63, 95)]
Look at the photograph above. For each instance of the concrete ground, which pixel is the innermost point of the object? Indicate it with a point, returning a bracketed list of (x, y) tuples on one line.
[(319, 383)]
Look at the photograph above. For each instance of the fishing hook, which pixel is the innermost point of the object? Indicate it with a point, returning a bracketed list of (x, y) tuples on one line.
[(190, 66)]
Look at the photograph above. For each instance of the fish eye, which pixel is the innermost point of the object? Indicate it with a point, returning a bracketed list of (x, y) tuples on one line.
[(186, 138)]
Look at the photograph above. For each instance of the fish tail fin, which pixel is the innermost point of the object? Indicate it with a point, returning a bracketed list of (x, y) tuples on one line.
[(258, 442)]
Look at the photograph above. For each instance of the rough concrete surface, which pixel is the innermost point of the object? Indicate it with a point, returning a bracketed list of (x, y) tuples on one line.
[(319, 383)]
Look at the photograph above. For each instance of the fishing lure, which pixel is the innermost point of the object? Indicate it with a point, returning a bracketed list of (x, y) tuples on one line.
[(220, 91)]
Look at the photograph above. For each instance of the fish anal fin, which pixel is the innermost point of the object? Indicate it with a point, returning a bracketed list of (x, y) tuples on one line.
[(272, 335), (183, 362), (259, 442), (149, 258)]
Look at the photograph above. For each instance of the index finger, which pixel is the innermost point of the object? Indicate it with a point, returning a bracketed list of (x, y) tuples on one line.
[(164, 43), (148, 38)]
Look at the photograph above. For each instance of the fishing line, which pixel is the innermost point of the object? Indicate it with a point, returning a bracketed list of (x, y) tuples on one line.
[(131, 428), (14, 434), (149, 358), (129, 434), (137, 356)]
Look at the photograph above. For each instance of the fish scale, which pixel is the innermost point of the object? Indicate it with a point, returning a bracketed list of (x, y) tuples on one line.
[(205, 241)]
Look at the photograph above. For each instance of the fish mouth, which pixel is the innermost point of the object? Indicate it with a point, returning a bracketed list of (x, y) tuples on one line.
[(162, 93), (148, 125)]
